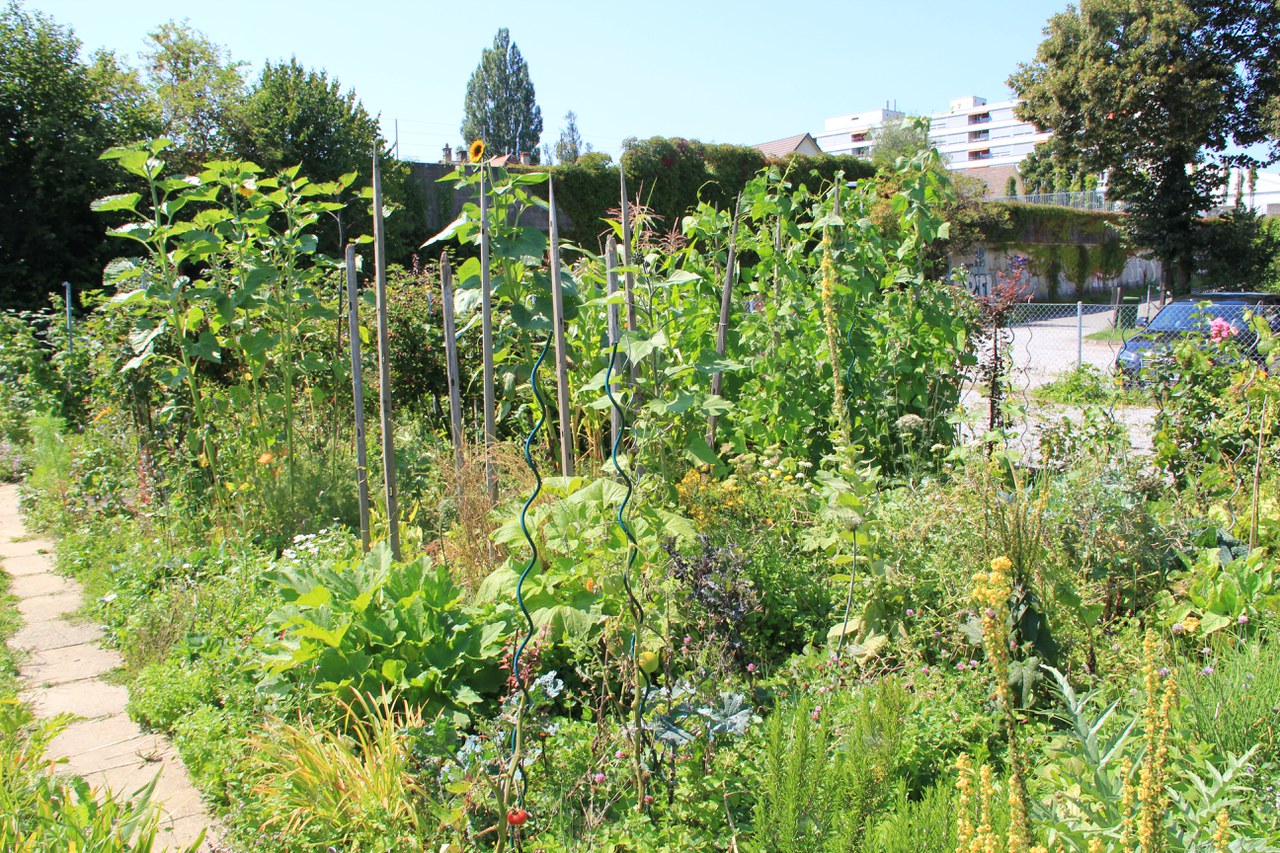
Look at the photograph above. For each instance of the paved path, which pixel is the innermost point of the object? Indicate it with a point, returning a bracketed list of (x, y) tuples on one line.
[(61, 671)]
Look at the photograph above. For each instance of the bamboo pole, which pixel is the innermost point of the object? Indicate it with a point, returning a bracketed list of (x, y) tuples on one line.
[(451, 363), (722, 331), (557, 324), (357, 395), (486, 343), (384, 363), (611, 277)]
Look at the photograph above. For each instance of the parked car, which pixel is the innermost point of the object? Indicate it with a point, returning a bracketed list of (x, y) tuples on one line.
[(1195, 314)]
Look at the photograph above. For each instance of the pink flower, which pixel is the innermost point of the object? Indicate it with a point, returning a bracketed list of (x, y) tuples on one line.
[(598, 778), (751, 667), (1220, 330)]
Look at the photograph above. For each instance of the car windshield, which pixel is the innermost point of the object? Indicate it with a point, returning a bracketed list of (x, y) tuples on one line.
[(1193, 317)]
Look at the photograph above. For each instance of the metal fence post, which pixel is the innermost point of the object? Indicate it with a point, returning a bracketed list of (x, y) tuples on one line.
[(1079, 335)]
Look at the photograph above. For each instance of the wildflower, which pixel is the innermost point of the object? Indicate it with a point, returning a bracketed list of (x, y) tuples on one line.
[(1190, 624), (910, 612), (266, 458), (924, 669), (475, 153), (598, 778), (751, 667), (620, 754), (1242, 619), (1208, 670), (1177, 628)]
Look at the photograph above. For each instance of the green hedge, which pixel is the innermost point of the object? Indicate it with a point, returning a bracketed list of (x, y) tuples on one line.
[(670, 176)]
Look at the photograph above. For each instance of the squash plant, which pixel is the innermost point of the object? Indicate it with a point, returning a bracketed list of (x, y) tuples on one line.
[(370, 625)]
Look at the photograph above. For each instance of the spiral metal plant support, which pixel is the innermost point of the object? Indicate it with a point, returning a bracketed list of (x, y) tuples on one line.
[(633, 551), (515, 773)]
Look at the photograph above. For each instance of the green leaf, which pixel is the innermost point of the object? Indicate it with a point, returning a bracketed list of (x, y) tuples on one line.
[(318, 596), (121, 201)]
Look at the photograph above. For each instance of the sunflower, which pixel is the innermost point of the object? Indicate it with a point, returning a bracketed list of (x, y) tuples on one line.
[(476, 152)]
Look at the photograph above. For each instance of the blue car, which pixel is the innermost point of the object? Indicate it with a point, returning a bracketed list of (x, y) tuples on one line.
[(1195, 314)]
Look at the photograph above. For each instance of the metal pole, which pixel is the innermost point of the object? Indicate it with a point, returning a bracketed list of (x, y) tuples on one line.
[(357, 395), (67, 285), (557, 323), (384, 362), (486, 345), (1079, 335)]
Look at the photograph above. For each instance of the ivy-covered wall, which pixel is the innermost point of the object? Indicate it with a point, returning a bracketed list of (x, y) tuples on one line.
[(669, 176), (1071, 253)]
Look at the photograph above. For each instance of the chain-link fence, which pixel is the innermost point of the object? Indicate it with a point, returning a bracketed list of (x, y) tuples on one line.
[(1045, 340)]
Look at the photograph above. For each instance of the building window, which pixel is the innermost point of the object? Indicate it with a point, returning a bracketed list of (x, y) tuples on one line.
[(860, 136), (979, 118), (979, 135), (981, 154)]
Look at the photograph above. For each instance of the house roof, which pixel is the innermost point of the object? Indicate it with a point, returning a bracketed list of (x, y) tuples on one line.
[(790, 145)]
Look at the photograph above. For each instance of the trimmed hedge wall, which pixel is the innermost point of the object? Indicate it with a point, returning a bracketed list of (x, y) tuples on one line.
[(670, 176)]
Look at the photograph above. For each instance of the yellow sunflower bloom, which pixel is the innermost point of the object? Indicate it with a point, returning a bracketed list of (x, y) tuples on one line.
[(476, 152)]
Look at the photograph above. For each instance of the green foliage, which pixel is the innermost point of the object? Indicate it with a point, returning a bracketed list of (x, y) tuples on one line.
[(1087, 386), (824, 774), (570, 146), (198, 91), (56, 116), (1238, 251), (500, 107), (367, 624), (1232, 706), (42, 810), (1154, 94)]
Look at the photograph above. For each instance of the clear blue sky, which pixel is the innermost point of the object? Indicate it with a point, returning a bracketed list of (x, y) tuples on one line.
[(741, 72)]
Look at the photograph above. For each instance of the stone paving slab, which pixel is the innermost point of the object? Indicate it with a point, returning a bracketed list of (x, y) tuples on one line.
[(45, 666), (62, 674), (44, 608), (79, 698), (54, 634), (35, 586), (21, 565)]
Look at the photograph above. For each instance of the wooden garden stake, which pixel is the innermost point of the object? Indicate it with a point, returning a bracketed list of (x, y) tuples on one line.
[(451, 363), (562, 359), (611, 276), (357, 395), (486, 344), (777, 285), (722, 332), (630, 275), (384, 362)]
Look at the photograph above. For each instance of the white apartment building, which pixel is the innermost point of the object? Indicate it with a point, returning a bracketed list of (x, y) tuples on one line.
[(985, 139), (854, 134)]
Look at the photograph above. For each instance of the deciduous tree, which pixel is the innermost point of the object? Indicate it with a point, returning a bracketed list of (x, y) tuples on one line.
[(1156, 93)]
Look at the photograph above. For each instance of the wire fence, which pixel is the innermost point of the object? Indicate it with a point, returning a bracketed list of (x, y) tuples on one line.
[(1045, 342)]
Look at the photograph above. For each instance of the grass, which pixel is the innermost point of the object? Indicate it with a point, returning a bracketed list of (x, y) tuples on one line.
[(1111, 335), (1089, 386), (10, 622)]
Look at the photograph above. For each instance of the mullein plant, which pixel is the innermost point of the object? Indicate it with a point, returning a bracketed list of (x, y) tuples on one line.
[(991, 592)]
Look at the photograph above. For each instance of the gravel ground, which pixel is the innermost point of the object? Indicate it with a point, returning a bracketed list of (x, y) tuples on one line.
[(1041, 352)]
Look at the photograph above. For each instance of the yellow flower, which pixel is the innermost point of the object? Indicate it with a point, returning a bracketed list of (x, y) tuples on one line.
[(1190, 624), (476, 152), (266, 458)]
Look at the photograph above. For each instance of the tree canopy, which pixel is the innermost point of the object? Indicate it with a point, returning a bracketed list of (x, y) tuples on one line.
[(56, 117), (500, 106), (569, 146), (1157, 94), (198, 90)]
